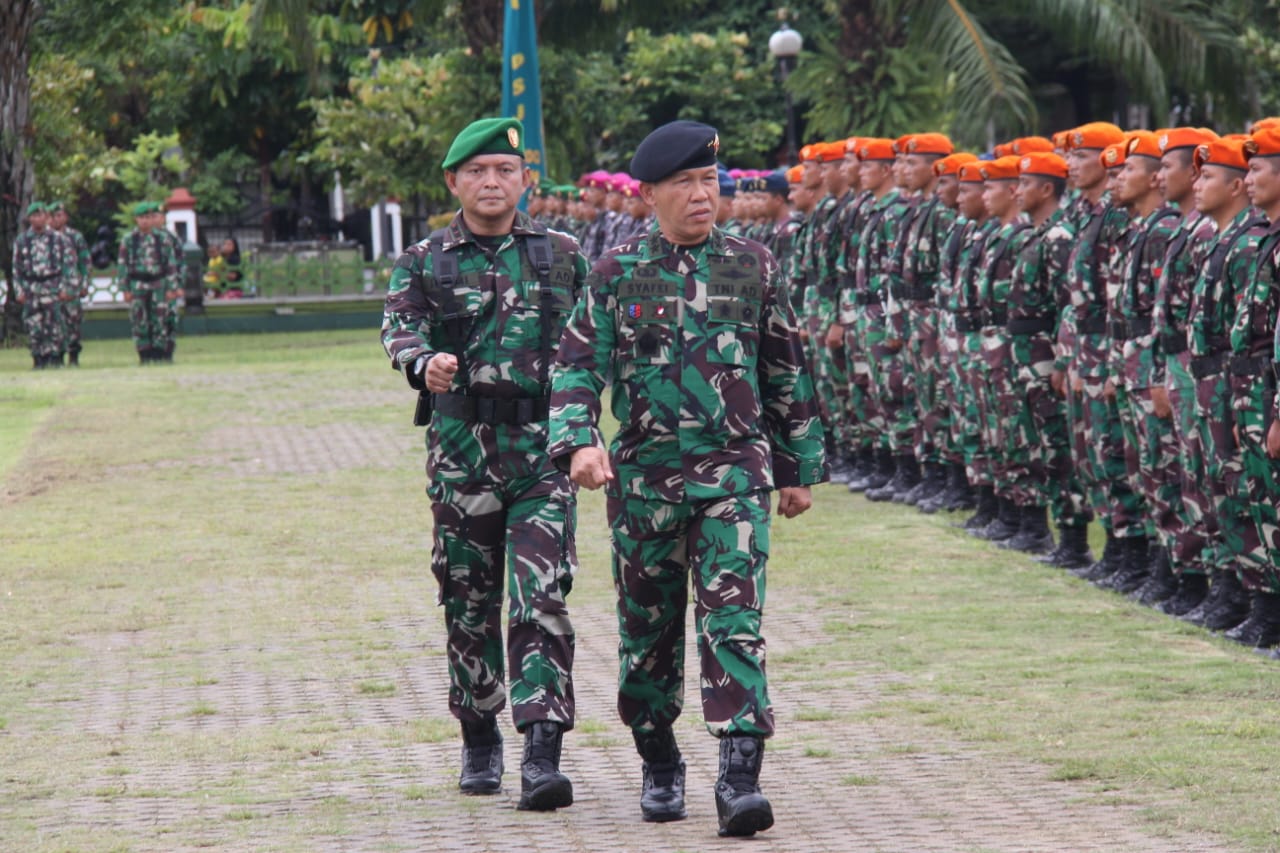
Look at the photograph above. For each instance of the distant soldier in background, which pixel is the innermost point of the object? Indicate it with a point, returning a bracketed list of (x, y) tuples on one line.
[(43, 262), (77, 286), (150, 271)]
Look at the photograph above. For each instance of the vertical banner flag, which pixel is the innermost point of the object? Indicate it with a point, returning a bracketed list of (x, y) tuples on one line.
[(521, 88)]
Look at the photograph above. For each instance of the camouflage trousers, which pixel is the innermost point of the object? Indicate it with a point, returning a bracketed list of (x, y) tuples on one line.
[(519, 533), (73, 319), (968, 429), (1151, 460), (923, 358), (994, 393), (1043, 438), (154, 320), (1100, 444), (1198, 531), (721, 546), (866, 423), (894, 400), (42, 319), (830, 383), (1241, 547), (1252, 405), (949, 393)]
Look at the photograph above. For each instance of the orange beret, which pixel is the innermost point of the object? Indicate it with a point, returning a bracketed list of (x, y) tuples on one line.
[(851, 144), (971, 173), (900, 144), (1004, 149), (795, 174), (1143, 143), (1264, 123), (1095, 134), (1112, 157), (950, 165), (1028, 144), (1183, 137), (1046, 164), (1228, 153), (1061, 140), (929, 143), (875, 149), (830, 151), (1001, 168), (808, 152), (1265, 142)]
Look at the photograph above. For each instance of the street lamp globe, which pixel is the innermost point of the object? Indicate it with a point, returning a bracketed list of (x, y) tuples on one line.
[(785, 44)]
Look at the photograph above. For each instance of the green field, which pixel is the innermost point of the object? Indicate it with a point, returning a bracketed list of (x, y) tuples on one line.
[(257, 508)]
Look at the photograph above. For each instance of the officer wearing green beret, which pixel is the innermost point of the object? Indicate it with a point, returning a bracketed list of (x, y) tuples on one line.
[(150, 271), (474, 315), (77, 287), (715, 411), (43, 261)]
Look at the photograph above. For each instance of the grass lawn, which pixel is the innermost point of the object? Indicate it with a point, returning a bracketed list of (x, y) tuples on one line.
[(261, 502)]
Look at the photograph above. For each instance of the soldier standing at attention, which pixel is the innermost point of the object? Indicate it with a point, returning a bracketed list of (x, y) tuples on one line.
[(77, 287), (473, 317), (149, 271), (42, 262), (715, 411)]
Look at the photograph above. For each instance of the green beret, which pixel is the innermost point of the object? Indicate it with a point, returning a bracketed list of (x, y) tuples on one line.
[(486, 136), (35, 207), (54, 206), (142, 208)]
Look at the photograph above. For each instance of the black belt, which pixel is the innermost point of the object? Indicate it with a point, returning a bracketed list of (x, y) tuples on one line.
[(1244, 365), (515, 411), (996, 317), (866, 299), (1173, 343), (827, 289), (914, 293), (968, 323), (1031, 325), (144, 276), (1092, 326), (1127, 330), (1207, 365), (50, 277)]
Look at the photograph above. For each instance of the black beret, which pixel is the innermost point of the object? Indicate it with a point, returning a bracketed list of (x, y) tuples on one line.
[(674, 147), (776, 183)]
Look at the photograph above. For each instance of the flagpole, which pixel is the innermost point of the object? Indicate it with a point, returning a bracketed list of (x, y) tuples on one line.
[(522, 83)]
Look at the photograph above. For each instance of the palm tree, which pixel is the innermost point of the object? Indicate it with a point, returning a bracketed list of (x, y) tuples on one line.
[(940, 56)]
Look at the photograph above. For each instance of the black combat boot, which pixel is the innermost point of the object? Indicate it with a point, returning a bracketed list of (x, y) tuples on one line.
[(911, 476), (542, 786), (1008, 520), (901, 480), (1135, 566), (743, 810), (55, 361), (1073, 548), (481, 757), (863, 467), (1262, 629), (931, 485), (1161, 581), (1191, 592), (987, 509), (73, 358), (1104, 566), (1033, 536), (962, 495), (662, 792), (144, 356), (1210, 600), (882, 474), (37, 362), (1232, 607)]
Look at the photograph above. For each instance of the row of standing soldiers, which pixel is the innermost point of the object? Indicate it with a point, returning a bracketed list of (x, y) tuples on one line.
[(1081, 327), (602, 210), (51, 268)]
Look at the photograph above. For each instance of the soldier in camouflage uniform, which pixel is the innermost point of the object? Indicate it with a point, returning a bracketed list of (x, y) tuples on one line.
[(999, 404), (44, 262), (1253, 387), (1239, 567), (77, 287), (1041, 451), (1084, 344), (149, 276), (1173, 397), (914, 309), (473, 316), (715, 411), (863, 313), (1150, 446)]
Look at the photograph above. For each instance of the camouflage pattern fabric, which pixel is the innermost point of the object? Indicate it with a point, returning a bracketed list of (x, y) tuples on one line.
[(1212, 312), (970, 370), (504, 513), (43, 262), (77, 289), (150, 269), (714, 410), (816, 311), (1042, 449)]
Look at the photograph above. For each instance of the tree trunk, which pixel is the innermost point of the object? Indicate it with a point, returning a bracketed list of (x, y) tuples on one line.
[(482, 24), (17, 179)]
